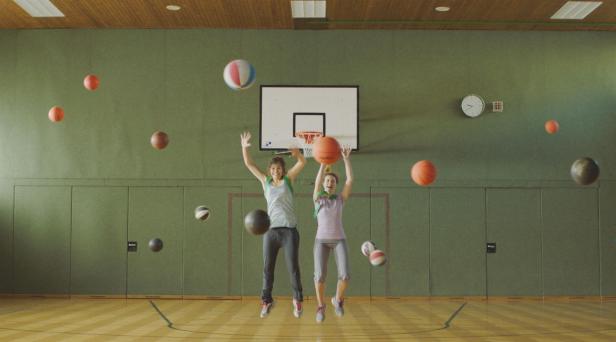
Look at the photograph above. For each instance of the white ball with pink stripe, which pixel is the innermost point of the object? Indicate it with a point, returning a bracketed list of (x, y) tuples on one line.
[(377, 258), (239, 74)]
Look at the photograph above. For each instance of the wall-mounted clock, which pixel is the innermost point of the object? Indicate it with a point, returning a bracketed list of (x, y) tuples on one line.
[(473, 105)]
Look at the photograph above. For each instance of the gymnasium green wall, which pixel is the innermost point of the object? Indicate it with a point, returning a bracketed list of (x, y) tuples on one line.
[(72, 193)]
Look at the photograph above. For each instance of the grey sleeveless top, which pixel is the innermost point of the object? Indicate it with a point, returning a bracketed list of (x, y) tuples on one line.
[(280, 204)]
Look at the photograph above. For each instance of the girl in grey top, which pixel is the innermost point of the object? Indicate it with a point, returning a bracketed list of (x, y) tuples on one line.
[(330, 234), (278, 191)]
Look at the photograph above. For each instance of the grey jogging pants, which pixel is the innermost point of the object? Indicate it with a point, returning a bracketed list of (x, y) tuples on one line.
[(321, 254)]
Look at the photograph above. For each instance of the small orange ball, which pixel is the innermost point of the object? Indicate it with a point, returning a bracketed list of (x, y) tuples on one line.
[(56, 114), (423, 172), (159, 140), (551, 126), (91, 82)]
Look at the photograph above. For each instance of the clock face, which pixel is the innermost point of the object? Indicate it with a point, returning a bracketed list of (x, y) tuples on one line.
[(473, 105)]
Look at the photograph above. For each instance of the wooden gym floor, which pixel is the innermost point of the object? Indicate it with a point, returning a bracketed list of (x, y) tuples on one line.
[(31, 319)]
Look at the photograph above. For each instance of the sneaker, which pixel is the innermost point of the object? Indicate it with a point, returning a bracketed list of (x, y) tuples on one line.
[(338, 307), (320, 313), (297, 308), (265, 308)]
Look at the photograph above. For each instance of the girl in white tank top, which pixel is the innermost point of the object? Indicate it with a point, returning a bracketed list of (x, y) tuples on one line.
[(278, 191)]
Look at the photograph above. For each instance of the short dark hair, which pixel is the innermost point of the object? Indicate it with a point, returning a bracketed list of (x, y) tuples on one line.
[(279, 161), (333, 175)]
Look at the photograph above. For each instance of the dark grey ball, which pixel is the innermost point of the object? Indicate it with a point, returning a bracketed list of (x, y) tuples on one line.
[(257, 222), (585, 171), (156, 244)]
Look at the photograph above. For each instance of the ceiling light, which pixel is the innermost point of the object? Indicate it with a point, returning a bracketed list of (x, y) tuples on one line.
[(39, 8), (308, 8), (173, 7), (442, 9), (576, 9)]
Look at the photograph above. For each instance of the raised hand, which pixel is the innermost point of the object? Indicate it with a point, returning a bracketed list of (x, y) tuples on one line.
[(346, 152), (245, 139), (294, 152)]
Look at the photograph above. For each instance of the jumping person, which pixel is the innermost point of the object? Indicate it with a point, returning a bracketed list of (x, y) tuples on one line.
[(278, 191), (330, 234)]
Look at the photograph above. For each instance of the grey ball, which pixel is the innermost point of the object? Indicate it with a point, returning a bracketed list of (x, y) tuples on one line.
[(585, 171), (155, 244), (257, 222)]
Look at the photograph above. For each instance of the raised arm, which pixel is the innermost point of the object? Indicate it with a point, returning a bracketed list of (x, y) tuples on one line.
[(318, 183), (245, 140), (299, 165), (346, 157)]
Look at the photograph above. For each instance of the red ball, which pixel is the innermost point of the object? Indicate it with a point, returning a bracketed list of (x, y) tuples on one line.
[(159, 140), (423, 172), (326, 150), (551, 126), (56, 114), (90, 82)]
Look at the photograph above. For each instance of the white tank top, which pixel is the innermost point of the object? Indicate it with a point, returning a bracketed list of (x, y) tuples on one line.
[(280, 204)]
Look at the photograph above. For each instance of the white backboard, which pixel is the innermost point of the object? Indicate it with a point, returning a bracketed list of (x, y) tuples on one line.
[(332, 110)]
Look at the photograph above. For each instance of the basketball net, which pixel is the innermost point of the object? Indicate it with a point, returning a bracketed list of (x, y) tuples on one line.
[(305, 140)]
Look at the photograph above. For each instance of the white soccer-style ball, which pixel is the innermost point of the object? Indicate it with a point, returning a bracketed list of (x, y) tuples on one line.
[(367, 248)]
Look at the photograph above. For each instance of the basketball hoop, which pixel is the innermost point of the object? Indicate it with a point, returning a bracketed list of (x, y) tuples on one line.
[(305, 139)]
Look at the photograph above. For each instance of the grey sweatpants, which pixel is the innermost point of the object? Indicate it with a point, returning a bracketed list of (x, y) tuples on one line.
[(273, 240), (321, 254)]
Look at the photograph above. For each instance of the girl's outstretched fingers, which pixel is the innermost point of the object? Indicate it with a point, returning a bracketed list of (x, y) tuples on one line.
[(245, 139), (346, 152)]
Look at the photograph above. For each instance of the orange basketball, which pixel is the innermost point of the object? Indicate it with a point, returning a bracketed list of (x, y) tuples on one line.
[(551, 126), (326, 150), (423, 172), (90, 82), (56, 114), (159, 140)]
